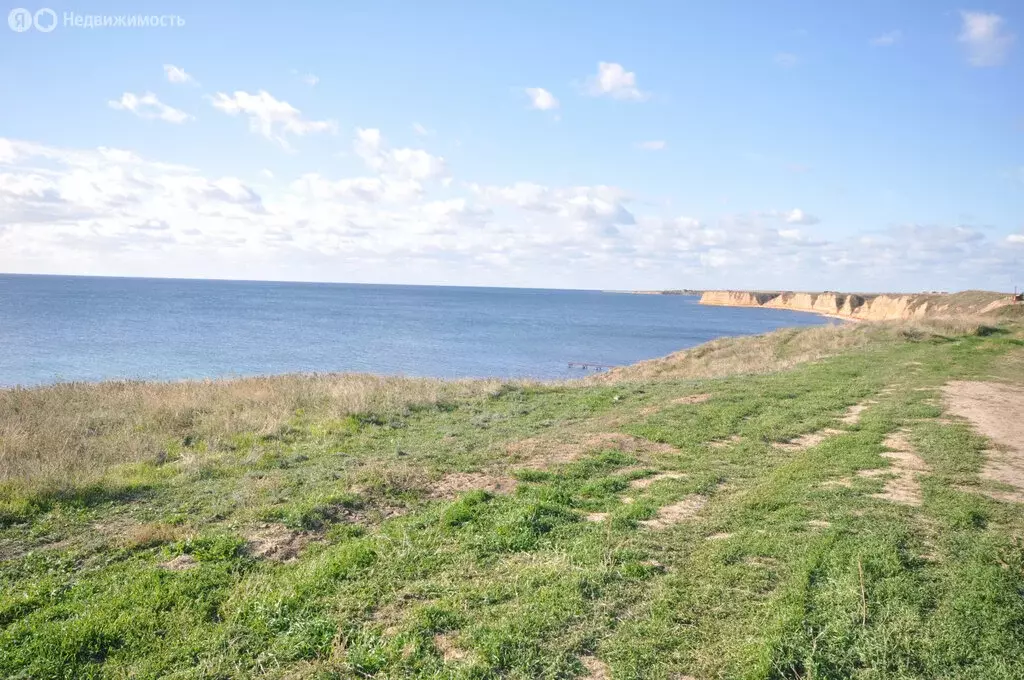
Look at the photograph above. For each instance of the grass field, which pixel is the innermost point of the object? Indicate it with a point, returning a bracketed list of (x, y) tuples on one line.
[(798, 505)]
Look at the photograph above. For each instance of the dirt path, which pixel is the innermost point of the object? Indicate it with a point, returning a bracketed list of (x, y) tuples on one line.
[(677, 512), (997, 411), (852, 415), (904, 484), (806, 441)]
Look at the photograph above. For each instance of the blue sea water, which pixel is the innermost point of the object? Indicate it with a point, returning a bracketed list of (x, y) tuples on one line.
[(60, 328)]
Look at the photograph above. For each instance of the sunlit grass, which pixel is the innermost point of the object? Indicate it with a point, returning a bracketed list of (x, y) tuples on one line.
[(326, 526)]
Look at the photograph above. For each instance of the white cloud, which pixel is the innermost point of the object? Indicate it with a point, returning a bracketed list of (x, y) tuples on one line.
[(367, 190), (787, 59), (409, 164), (653, 145), (887, 39), (985, 38), (420, 130), (111, 211), (612, 80), (270, 117), (593, 208), (794, 216), (416, 164), (97, 203), (149, 107), (541, 99), (798, 216), (8, 152), (176, 74)]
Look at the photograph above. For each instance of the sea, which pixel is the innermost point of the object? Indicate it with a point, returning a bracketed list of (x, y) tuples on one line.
[(70, 328)]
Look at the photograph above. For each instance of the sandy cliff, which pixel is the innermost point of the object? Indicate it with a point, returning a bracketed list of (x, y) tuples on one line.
[(864, 307)]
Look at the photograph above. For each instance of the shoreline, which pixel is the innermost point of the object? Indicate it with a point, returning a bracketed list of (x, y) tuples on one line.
[(228, 378), (599, 330), (857, 307), (816, 312)]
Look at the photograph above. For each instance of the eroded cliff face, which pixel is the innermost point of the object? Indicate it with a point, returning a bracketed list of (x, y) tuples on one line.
[(863, 307)]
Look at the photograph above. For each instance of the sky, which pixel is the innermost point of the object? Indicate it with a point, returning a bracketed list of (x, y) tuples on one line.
[(849, 145)]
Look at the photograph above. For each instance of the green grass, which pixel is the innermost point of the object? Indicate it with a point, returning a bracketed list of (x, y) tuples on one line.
[(781, 574)]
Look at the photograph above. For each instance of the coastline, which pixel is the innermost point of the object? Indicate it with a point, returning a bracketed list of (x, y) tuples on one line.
[(858, 307), (332, 493), (679, 291), (172, 330)]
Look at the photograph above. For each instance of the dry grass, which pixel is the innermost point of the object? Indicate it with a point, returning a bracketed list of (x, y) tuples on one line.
[(966, 303), (786, 348), (69, 434), (276, 542), (155, 533), (451, 485), (756, 354), (568, 445)]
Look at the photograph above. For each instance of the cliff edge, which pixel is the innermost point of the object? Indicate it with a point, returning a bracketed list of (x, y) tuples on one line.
[(866, 307)]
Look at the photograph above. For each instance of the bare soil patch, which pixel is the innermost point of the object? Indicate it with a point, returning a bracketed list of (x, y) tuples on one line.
[(692, 399), (180, 563), (996, 410), (446, 645), (904, 485), (596, 669), (451, 485), (541, 452), (391, 614), (688, 399), (677, 512), (645, 482), (728, 441), (276, 542), (145, 535), (852, 415), (597, 516), (627, 443), (806, 441)]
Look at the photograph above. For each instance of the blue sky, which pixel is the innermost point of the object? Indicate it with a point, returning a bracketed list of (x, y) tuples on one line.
[(844, 145)]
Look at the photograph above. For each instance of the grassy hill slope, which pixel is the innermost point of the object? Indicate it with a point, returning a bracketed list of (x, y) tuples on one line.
[(797, 505)]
